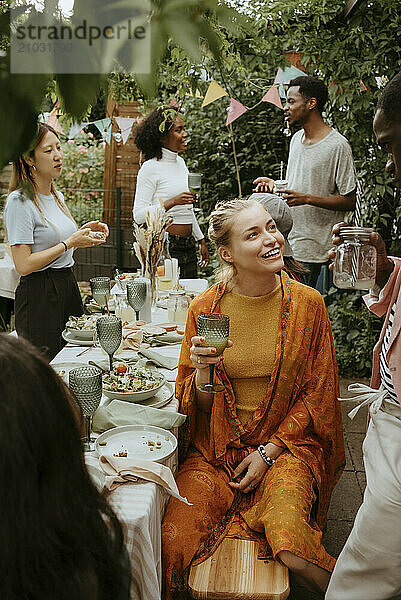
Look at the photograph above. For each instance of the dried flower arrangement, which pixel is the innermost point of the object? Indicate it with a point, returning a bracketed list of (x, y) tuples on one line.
[(149, 241)]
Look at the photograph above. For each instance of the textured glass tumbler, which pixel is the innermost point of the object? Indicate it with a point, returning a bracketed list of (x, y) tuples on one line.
[(136, 294), (215, 328), (110, 334), (100, 287), (86, 384)]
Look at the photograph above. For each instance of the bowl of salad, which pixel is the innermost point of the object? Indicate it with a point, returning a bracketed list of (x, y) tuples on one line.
[(132, 384), (82, 328)]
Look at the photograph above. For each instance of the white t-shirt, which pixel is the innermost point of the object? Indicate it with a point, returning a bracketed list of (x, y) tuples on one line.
[(161, 180), (325, 168), (25, 225)]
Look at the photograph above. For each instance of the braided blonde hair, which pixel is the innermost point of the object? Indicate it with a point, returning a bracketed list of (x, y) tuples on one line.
[(220, 224)]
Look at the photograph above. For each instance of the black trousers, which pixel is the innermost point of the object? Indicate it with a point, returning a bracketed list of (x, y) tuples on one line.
[(43, 302), (184, 250)]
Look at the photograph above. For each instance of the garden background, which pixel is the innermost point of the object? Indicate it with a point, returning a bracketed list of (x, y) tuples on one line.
[(241, 46)]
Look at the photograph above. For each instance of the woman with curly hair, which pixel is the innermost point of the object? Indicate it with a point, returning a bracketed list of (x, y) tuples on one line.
[(161, 137), (59, 537)]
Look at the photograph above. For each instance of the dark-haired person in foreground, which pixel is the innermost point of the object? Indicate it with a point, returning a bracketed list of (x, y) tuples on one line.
[(59, 538), (369, 566), (320, 173), (161, 137)]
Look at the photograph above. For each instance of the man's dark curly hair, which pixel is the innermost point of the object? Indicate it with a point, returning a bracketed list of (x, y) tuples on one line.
[(152, 129), (311, 87), (390, 100)]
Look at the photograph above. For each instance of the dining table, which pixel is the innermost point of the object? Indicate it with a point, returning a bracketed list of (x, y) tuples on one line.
[(139, 505), (9, 278)]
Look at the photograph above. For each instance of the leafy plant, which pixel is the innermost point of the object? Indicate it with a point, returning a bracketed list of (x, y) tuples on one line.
[(355, 332), (81, 180)]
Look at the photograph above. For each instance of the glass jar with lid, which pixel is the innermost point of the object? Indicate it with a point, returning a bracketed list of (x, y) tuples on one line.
[(177, 306), (355, 262)]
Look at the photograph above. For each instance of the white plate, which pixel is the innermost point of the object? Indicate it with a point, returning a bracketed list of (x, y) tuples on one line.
[(161, 398), (69, 337), (66, 367), (134, 440), (135, 396)]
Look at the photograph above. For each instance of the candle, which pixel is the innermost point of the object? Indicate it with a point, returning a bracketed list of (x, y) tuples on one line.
[(168, 268)]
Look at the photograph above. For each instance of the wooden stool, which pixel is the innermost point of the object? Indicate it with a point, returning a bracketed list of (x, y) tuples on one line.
[(233, 572)]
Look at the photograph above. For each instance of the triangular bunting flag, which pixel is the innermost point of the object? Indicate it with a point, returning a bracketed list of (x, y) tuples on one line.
[(76, 128), (104, 126), (125, 125), (54, 122), (214, 92), (363, 87), (273, 97), (174, 103), (235, 110), (285, 76)]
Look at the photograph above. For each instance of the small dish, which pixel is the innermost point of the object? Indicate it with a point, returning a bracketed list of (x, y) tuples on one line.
[(69, 336)]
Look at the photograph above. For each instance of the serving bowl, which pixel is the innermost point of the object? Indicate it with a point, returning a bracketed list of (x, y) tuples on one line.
[(135, 396)]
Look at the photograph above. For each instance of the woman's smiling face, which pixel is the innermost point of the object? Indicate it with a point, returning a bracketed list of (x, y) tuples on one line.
[(256, 246)]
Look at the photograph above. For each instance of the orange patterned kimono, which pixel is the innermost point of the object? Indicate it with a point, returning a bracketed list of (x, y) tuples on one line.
[(300, 413)]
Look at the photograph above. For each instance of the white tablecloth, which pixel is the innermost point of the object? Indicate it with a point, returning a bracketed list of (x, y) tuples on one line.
[(9, 277), (139, 506)]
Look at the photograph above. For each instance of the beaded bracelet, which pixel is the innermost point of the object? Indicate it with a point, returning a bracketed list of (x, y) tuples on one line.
[(268, 460)]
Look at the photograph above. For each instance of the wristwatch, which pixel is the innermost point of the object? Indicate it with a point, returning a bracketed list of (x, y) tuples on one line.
[(268, 460)]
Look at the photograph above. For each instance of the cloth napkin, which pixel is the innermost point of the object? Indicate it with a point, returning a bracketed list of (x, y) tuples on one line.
[(119, 412), (167, 362), (132, 338), (167, 339), (121, 470)]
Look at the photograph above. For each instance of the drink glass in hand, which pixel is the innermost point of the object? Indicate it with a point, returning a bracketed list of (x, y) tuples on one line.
[(214, 327), (194, 184), (86, 384)]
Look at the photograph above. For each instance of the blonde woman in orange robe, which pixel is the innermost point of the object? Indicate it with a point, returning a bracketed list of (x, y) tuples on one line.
[(281, 387)]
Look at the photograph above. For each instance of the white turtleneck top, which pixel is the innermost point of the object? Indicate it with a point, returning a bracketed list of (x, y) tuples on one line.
[(161, 180)]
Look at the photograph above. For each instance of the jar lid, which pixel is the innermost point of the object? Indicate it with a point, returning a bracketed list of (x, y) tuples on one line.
[(357, 233), (176, 292)]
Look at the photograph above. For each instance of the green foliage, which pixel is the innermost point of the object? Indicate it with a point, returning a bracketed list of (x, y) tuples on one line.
[(81, 180), (187, 21), (355, 331)]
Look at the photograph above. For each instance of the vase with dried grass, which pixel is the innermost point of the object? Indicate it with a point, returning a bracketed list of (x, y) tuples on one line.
[(149, 241)]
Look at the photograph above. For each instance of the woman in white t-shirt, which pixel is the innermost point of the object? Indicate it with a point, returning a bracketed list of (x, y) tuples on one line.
[(42, 235), (160, 137)]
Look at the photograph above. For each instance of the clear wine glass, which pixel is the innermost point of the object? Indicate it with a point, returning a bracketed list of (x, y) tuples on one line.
[(100, 287), (86, 384), (136, 294), (214, 327), (110, 334), (194, 185)]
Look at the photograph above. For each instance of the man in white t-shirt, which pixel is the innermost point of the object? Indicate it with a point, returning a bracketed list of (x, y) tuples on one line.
[(320, 174)]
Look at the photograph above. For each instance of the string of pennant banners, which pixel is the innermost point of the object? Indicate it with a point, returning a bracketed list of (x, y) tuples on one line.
[(214, 92), (273, 95)]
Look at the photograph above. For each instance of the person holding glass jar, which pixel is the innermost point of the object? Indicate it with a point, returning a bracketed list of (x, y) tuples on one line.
[(261, 457), (43, 235), (369, 565), (163, 177)]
